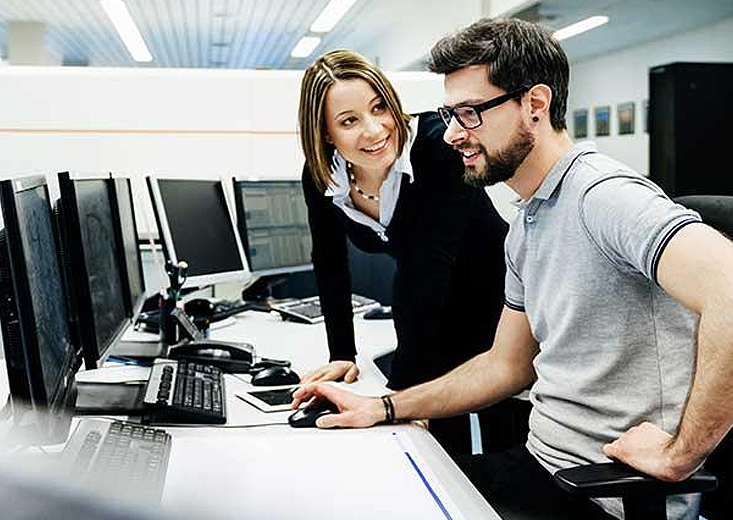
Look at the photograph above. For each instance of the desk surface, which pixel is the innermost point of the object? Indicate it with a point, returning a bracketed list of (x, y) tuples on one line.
[(248, 471)]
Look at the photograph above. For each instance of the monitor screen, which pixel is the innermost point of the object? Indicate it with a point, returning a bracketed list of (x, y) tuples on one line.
[(195, 226), (95, 261), (132, 265), (36, 330), (273, 221)]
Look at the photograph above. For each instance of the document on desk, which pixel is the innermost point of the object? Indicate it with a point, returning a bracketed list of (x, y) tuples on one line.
[(114, 374), (140, 336), (354, 474)]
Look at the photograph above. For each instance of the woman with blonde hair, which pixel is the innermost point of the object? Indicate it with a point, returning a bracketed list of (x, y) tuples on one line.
[(388, 182)]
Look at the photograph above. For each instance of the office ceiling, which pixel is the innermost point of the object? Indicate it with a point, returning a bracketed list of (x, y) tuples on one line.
[(261, 33)]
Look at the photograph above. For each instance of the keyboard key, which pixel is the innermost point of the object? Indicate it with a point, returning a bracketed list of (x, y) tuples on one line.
[(100, 452), (308, 310), (185, 392)]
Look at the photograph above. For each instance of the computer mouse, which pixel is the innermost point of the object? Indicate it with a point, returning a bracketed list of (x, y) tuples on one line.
[(199, 308), (275, 376), (306, 417), (379, 313)]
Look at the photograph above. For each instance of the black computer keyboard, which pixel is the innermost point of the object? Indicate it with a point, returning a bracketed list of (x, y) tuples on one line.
[(131, 456), (150, 321), (225, 309), (179, 391), (308, 310)]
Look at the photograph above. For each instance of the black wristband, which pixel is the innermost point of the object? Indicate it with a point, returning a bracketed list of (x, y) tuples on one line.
[(388, 409)]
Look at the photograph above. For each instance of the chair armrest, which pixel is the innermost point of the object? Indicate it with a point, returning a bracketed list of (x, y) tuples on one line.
[(612, 479)]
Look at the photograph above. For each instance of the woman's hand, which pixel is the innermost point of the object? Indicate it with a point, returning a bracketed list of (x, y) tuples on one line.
[(333, 371)]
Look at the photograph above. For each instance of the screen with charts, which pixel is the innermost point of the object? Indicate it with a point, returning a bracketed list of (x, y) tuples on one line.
[(273, 222), (132, 265), (101, 258), (41, 354), (89, 232), (55, 348)]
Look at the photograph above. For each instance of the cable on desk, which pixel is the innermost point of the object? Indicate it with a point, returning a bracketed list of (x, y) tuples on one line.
[(220, 426)]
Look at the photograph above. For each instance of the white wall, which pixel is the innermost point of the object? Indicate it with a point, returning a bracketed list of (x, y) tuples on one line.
[(396, 50), (623, 76), (192, 123)]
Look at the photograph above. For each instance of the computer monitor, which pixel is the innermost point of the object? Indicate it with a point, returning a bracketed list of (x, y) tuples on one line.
[(195, 226), (90, 242), (273, 221), (40, 344), (123, 213)]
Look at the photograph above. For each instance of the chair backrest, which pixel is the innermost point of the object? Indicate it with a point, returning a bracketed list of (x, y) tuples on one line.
[(718, 504), (717, 212)]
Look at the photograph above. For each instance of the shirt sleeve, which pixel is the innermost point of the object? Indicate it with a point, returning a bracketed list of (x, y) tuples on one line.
[(331, 269), (513, 286), (631, 220)]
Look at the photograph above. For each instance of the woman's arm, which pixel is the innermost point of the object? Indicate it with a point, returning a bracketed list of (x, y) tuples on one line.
[(330, 266)]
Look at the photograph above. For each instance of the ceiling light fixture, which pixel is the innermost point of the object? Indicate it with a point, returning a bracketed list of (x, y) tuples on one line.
[(331, 14), (305, 46), (580, 27), (129, 34)]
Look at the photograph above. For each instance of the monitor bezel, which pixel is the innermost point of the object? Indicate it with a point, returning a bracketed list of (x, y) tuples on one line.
[(162, 222), (94, 354), (38, 397), (133, 308), (242, 225)]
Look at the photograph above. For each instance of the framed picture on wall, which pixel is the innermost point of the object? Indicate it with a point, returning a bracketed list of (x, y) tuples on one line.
[(645, 113), (603, 120), (625, 114), (580, 123)]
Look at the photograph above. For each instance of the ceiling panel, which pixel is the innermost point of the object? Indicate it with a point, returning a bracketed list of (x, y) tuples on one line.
[(261, 33)]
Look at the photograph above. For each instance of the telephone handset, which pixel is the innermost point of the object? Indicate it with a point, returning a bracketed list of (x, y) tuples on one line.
[(229, 356)]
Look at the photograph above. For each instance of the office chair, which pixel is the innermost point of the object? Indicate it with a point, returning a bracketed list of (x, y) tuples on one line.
[(644, 497)]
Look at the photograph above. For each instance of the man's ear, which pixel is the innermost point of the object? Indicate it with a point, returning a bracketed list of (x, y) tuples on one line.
[(540, 97)]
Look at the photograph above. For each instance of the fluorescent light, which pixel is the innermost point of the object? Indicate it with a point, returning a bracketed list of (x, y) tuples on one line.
[(331, 14), (119, 15), (580, 27), (305, 46)]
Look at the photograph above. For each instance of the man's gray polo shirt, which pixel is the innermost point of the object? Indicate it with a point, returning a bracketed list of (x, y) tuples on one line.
[(615, 349)]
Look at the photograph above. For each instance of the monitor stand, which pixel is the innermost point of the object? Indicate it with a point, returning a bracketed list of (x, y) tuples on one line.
[(23, 425), (262, 290)]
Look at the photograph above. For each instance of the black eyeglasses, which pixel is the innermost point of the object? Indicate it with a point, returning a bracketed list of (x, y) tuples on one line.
[(469, 116)]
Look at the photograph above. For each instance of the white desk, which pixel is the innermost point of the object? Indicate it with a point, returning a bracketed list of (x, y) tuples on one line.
[(273, 472)]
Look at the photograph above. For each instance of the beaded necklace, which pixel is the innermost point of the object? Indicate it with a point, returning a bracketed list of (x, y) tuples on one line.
[(350, 173)]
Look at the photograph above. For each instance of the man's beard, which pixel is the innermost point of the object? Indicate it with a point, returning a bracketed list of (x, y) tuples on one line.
[(501, 166)]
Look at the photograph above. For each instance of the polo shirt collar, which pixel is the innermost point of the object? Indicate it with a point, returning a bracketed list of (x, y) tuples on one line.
[(555, 177)]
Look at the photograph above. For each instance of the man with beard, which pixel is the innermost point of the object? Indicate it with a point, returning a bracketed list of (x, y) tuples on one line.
[(617, 301)]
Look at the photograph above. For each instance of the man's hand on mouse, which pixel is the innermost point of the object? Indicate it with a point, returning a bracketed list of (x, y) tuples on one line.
[(333, 371), (355, 411)]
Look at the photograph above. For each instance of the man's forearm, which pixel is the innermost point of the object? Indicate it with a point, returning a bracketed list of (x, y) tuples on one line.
[(708, 415), (479, 382)]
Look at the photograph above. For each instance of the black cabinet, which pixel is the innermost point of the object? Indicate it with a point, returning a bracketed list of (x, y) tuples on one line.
[(691, 128)]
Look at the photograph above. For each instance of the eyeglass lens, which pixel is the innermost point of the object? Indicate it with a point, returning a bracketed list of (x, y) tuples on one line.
[(467, 116)]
